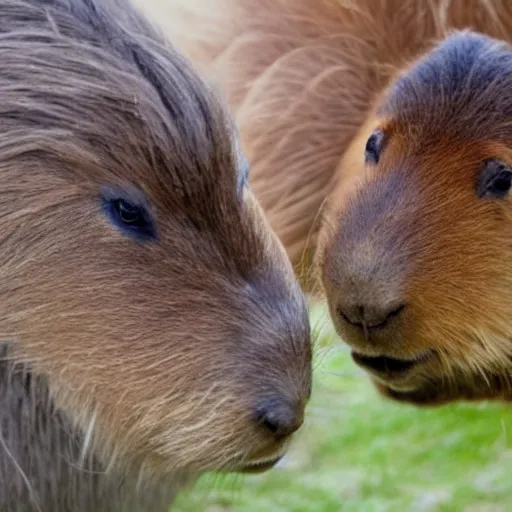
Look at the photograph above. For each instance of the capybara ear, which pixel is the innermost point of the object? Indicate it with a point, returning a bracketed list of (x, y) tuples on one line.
[(152, 327)]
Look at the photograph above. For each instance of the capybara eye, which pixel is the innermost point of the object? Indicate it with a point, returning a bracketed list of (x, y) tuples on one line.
[(129, 213), (130, 217), (374, 147), (495, 179)]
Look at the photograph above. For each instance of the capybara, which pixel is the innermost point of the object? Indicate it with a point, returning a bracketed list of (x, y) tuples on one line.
[(391, 122), (152, 327)]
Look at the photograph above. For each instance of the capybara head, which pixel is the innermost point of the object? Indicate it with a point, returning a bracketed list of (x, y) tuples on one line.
[(417, 254), (139, 276)]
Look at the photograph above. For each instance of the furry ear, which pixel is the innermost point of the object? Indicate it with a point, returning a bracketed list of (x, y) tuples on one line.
[(495, 179)]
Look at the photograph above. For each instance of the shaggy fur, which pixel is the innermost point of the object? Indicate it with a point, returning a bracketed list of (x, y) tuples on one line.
[(309, 81), (130, 366), (301, 76)]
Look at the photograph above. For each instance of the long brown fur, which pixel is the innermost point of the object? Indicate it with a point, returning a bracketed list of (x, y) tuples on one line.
[(131, 365), (301, 76), (308, 81)]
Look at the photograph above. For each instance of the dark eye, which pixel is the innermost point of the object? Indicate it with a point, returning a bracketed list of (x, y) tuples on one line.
[(374, 147), (129, 213), (495, 179), (130, 217)]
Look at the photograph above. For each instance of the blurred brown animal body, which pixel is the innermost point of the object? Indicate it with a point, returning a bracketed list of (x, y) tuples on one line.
[(151, 325), (393, 129)]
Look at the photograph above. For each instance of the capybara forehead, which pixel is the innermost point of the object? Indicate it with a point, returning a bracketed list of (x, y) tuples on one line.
[(89, 91), (461, 88)]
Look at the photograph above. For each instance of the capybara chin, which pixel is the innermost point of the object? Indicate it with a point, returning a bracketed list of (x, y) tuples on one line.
[(151, 325), (392, 122)]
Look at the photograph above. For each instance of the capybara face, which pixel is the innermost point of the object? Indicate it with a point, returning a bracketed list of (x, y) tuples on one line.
[(416, 256), (138, 273)]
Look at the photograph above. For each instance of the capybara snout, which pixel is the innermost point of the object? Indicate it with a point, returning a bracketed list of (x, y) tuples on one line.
[(415, 270), (140, 279)]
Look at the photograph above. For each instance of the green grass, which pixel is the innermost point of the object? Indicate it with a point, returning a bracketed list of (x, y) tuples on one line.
[(359, 452)]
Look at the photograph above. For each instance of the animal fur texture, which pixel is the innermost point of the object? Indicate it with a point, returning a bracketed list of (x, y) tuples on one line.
[(131, 364), (301, 77), (309, 81)]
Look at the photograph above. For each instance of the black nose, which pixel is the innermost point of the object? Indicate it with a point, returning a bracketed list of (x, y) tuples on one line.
[(279, 418), (370, 316)]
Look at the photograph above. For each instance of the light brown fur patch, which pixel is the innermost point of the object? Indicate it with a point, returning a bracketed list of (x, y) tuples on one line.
[(307, 80)]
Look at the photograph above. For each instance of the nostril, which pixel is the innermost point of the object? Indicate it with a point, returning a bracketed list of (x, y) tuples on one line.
[(395, 312), (369, 316), (353, 317), (380, 317), (280, 420), (271, 422)]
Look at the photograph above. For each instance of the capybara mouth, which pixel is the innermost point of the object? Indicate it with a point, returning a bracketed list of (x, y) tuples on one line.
[(390, 366), (260, 467)]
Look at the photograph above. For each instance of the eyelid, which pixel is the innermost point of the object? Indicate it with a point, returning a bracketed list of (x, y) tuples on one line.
[(128, 194)]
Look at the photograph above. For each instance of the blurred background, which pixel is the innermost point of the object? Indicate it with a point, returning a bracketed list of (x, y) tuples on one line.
[(359, 452)]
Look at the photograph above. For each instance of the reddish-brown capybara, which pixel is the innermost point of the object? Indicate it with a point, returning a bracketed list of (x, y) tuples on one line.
[(152, 328), (392, 121)]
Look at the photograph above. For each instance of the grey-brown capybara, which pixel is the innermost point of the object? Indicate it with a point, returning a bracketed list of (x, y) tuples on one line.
[(151, 325)]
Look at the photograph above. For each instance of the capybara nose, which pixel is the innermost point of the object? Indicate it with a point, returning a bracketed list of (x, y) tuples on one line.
[(279, 417), (371, 315)]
